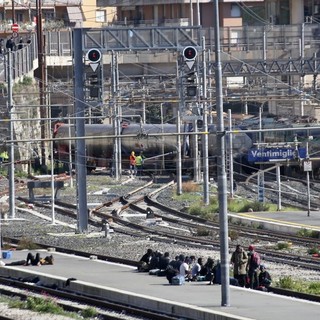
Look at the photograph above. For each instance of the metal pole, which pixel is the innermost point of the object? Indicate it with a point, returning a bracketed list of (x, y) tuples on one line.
[(308, 177), (81, 174), (191, 13), (198, 13), (42, 84), (52, 186), (119, 114), (302, 62), (205, 152), (210, 89), (143, 105), (115, 160), (261, 175), (222, 179), (195, 151), (230, 155), (279, 187), (180, 108), (13, 11), (70, 154), (12, 208), (179, 176), (162, 138), (308, 184)]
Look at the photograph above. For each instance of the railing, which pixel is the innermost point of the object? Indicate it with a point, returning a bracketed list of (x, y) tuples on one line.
[(246, 43), (24, 60), (263, 39)]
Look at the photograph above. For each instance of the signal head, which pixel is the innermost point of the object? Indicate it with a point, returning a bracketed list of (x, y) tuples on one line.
[(94, 55), (189, 53)]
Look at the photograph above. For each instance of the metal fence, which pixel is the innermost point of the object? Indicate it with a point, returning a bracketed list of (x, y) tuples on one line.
[(294, 38), (248, 42)]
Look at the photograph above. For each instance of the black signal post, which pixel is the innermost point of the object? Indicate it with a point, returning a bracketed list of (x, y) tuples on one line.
[(94, 55)]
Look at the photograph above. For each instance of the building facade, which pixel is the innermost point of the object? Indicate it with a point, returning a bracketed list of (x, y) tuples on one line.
[(55, 14)]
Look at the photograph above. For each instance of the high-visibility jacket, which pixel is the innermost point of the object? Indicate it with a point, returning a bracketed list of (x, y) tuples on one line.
[(139, 161), (4, 156), (132, 159)]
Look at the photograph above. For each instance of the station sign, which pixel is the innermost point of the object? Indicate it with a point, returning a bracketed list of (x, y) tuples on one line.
[(275, 154)]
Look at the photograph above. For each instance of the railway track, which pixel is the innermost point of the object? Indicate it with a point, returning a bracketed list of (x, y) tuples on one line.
[(135, 203), (183, 225), (74, 302)]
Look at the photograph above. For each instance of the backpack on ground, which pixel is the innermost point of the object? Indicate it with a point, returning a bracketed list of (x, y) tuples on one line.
[(178, 280)]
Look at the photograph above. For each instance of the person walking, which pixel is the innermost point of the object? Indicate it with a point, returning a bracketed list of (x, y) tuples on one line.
[(239, 260), (132, 160)]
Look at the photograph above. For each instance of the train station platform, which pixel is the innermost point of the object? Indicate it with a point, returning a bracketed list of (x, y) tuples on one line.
[(192, 300), (283, 221)]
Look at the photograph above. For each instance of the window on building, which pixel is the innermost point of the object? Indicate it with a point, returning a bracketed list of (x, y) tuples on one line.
[(48, 15), (19, 17), (235, 11), (100, 16)]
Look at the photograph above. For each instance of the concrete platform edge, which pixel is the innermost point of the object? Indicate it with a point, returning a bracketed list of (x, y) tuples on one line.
[(184, 311)]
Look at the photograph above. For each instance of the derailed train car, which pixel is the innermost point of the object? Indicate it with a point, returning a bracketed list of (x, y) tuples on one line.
[(158, 143)]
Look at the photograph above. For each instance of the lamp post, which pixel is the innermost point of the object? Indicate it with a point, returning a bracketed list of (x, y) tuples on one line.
[(11, 130), (222, 178), (307, 166)]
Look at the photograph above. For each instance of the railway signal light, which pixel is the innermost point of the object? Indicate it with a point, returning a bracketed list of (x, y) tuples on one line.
[(189, 53), (189, 56), (94, 55)]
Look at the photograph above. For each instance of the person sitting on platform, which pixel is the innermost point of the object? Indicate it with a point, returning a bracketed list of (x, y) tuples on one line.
[(265, 279), (144, 262)]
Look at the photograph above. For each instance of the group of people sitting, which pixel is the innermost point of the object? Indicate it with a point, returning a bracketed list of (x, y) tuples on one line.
[(189, 268), (245, 271)]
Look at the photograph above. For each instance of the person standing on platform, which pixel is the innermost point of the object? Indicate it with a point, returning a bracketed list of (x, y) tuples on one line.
[(133, 167), (239, 260), (253, 267)]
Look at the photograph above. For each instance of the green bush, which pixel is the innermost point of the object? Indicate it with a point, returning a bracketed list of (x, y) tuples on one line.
[(283, 245), (255, 206), (308, 233), (314, 288), (204, 212), (27, 81), (89, 313), (286, 283), (43, 305), (233, 234), (203, 232), (313, 250)]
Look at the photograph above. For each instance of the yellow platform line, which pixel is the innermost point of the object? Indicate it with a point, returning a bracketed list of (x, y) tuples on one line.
[(280, 221)]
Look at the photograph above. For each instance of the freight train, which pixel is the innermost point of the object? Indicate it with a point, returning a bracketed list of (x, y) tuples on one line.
[(158, 143)]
